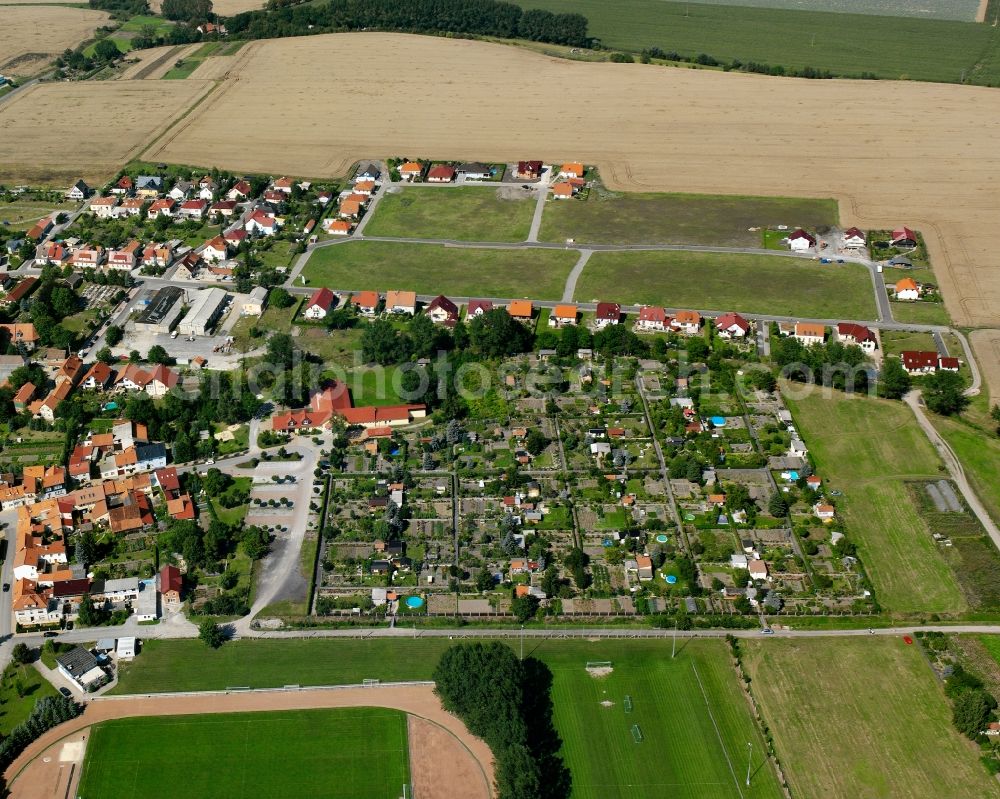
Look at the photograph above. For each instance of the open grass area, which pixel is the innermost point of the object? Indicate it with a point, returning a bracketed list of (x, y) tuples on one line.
[(868, 448), (330, 753), (22, 214), (896, 341), (846, 44), (462, 213), (615, 218), (862, 717), (921, 313), (335, 347), (432, 269), (16, 706), (713, 281), (979, 452), (689, 729), (273, 320)]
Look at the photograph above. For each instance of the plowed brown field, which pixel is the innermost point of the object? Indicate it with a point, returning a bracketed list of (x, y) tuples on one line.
[(891, 153)]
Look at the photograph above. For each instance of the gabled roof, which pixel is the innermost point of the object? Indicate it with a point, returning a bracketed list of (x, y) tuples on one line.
[(479, 305), (903, 234), (170, 579), (728, 320), (365, 299), (652, 313), (323, 298), (687, 318), (443, 303), (611, 311), (520, 309), (441, 172), (566, 312), (400, 299), (853, 232), (810, 329), (859, 333), (907, 284), (799, 233)]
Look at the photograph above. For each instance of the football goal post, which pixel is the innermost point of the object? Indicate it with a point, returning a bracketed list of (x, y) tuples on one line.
[(628, 703), (368, 683), (637, 733)]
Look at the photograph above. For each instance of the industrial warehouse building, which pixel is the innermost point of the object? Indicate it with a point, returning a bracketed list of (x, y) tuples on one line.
[(206, 308), (160, 315)]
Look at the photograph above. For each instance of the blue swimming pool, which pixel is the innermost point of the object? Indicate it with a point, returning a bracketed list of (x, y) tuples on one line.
[(414, 602)]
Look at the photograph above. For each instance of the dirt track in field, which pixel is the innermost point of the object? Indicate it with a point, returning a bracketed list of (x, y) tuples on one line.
[(447, 761), (30, 36), (891, 152)]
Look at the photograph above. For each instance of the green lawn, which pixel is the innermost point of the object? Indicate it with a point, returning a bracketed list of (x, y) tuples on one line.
[(681, 755), (606, 218), (921, 313), (432, 269), (276, 320), (862, 717), (846, 44), (896, 341), (22, 214), (352, 753), (979, 453), (14, 708), (750, 283), (335, 347), (867, 448), (463, 213)]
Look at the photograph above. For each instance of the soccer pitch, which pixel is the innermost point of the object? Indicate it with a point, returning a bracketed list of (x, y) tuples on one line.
[(354, 753), (693, 723)]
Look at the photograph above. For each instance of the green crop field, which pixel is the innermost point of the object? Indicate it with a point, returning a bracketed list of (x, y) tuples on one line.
[(356, 753), (868, 448), (846, 44), (862, 717), (689, 729), (433, 269), (460, 213), (605, 218), (771, 284)]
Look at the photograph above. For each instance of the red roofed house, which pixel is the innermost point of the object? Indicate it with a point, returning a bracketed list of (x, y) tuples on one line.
[(235, 238), (563, 190), (319, 304), (54, 253), (853, 239), (948, 364), (125, 185), (478, 308), (87, 257), (907, 289), (224, 208), (607, 313), (337, 227), (411, 170), (732, 325), (441, 174), (903, 237), (171, 584), (125, 257), (652, 318), (800, 241), (161, 207), (262, 222), (366, 302), (193, 209), (917, 362), (686, 322), (528, 170), (284, 185), (859, 335), (442, 311), (181, 508), (239, 192), (216, 249), (23, 396)]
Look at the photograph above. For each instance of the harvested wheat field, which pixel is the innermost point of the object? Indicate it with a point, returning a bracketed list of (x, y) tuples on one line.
[(31, 36), (154, 63), (986, 348), (55, 132)]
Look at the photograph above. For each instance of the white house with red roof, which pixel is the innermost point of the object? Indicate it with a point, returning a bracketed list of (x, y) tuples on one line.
[(193, 209), (800, 241), (234, 238), (732, 325), (857, 335), (103, 207), (223, 208), (162, 207), (239, 192), (442, 311), (607, 313), (903, 237), (126, 257), (262, 222), (853, 239), (478, 308), (215, 250), (652, 318), (319, 304)]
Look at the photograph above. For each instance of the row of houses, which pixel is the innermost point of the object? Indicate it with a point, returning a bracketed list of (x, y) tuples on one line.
[(334, 401), (813, 333)]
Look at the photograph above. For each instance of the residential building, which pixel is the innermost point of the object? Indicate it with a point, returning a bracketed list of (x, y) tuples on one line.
[(441, 174), (809, 333), (366, 302), (853, 239), (528, 170), (563, 315), (521, 310), (255, 302), (607, 313), (78, 191), (732, 325), (442, 311), (401, 302), (686, 322), (903, 237), (478, 308), (800, 241), (907, 289), (858, 335), (319, 304), (411, 170), (652, 318)]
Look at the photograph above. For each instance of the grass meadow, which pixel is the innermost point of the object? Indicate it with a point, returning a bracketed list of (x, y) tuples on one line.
[(861, 717), (689, 729), (709, 219), (921, 313), (434, 269), (767, 284), (353, 753), (891, 47), (461, 213), (868, 449)]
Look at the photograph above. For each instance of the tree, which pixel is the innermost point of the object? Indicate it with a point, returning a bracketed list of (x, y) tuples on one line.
[(484, 581), (86, 548), (280, 298), (281, 350), (576, 561), (157, 354), (777, 506), (535, 442), (211, 633), (496, 334), (187, 10), (895, 381), (106, 50), (383, 344), (114, 335), (971, 711), (943, 393), (524, 607), (21, 654), (89, 615), (104, 355)]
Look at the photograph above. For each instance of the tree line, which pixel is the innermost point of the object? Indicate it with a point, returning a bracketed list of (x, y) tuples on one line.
[(477, 17), (506, 702)]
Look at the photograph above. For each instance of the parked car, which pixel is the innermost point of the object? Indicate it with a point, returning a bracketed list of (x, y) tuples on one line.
[(6, 586), (49, 634), (66, 692)]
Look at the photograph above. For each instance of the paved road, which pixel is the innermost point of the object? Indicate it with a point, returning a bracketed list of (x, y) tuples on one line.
[(913, 399), (574, 275), (542, 192)]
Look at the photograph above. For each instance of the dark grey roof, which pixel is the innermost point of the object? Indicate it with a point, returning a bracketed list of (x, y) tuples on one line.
[(77, 661), (149, 452)]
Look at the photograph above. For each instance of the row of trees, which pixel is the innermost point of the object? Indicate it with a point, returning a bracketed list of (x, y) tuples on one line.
[(506, 702), (478, 17)]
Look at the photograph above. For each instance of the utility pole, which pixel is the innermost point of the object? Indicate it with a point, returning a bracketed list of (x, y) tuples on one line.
[(749, 761), (522, 642)]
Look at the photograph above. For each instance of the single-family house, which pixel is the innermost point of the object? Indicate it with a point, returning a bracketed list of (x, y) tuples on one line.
[(284, 185), (222, 208), (475, 171), (607, 313), (411, 170), (686, 322), (521, 310), (193, 209), (903, 237), (124, 187), (907, 289), (563, 315), (644, 567), (262, 222), (823, 511), (349, 209), (528, 170), (800, 241), (337, 227), (180, 191), (564, 190), (216, 249), (319, 304), (366, 188), (478, 308), (441, 174), (858, 335), (367, 171), (126, 257), (87, 257), (757, 569), (55, 253), (171, 585), (149, 186), (652, 318), (366, 302), (131, 206), (161, 207), (234, 238), (442, 311), (239, 192), (401, 302), (853, 239), (809, 333), (732, 325), (104, 207), (98, 377), (571, 171), (920, 362), (78, 191)]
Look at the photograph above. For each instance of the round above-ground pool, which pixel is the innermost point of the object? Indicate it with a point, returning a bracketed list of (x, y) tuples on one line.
[(719, 421), (661, 538), (414, 602), (671, 579)]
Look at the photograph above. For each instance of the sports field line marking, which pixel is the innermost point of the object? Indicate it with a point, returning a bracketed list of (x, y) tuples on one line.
[(718, 735)]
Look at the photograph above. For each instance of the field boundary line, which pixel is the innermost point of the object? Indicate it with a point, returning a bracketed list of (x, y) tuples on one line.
[(285, 689), (718, 735)]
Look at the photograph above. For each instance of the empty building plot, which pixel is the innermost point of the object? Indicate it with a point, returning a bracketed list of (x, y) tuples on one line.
[(160, 315)]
